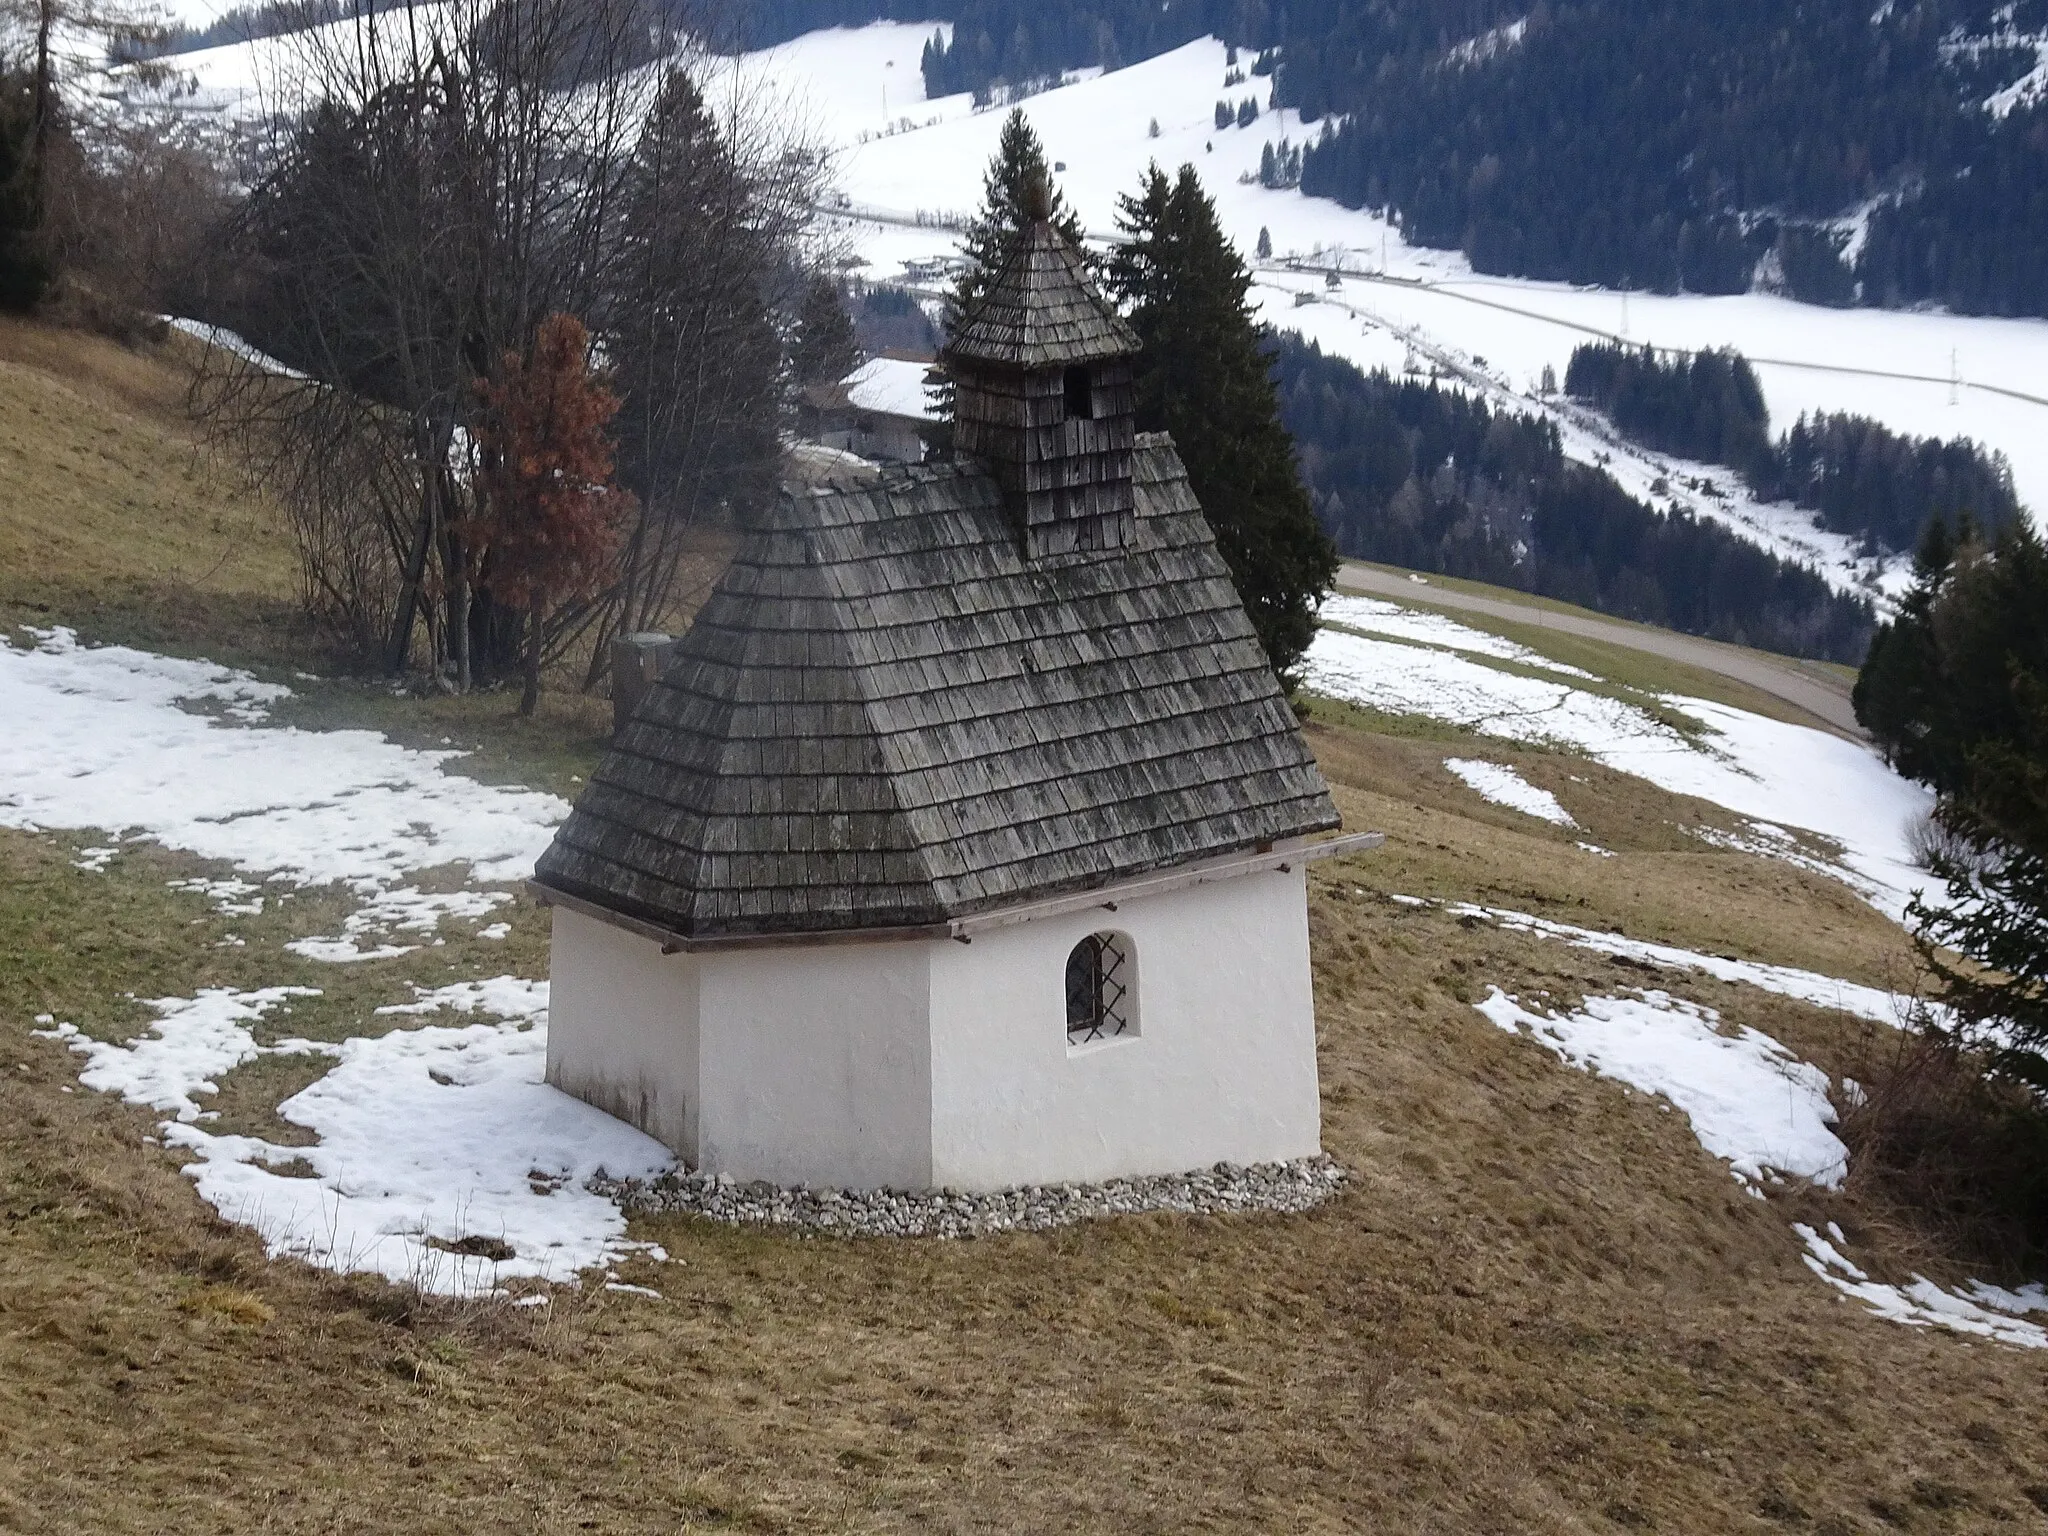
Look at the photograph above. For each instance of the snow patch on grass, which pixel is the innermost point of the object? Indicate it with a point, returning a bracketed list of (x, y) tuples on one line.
[(194, 1042), (1985, 1313), (407, 910), (1873, 1003), (1778, 775), (230, 897), (1751, 1102), (115, 749), (444, 1160), (503, 997), (1376, 617), (1501, 785), (1756, 1106), (1406, 679)]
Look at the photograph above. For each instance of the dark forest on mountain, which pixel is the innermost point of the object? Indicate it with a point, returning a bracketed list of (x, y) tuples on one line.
[(1415, 475), (1680, 145), (1865, 480), (1700, 146), (1666, 145)]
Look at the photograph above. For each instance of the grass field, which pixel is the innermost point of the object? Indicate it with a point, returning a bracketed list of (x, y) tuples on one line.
[(1539, 1306)]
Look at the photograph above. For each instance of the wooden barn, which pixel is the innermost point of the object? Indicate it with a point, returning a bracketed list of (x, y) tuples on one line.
[(962, 841)]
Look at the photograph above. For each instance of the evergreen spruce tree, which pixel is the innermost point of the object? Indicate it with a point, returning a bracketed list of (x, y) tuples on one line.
[(826, 350), (1204, 377), (1956, 693), (1898, 695), (1019, 161)]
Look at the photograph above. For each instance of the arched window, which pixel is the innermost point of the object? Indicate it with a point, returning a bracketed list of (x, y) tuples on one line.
[(1100, 976), (1080, 394)]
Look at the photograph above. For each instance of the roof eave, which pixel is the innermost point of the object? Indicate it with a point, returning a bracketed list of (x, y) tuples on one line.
[(1270, 857)]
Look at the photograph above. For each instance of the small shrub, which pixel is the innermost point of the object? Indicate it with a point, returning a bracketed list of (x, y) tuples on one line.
[(80, 306), (1961, 1155)]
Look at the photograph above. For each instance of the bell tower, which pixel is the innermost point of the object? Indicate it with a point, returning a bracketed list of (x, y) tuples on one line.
[(1042, 371)]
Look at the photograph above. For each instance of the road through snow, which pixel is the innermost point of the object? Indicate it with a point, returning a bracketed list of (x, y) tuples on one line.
[(1812, 689)]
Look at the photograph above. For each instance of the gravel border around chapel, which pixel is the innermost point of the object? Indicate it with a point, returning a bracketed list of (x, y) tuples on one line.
[(1299, 1185)]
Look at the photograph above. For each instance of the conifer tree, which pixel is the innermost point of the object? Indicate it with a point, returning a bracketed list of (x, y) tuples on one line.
[(1204, 377), (1019, 161), (1956, 692), (1897, 690), (826, 351)]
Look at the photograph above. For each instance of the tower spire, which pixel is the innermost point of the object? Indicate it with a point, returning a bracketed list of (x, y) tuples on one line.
[(1043, 391)]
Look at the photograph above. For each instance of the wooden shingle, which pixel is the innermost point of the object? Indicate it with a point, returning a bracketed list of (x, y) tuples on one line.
[(1040, 311), (888, 714)]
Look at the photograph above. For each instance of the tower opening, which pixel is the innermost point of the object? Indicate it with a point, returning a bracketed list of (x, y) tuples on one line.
[(1080, 394)]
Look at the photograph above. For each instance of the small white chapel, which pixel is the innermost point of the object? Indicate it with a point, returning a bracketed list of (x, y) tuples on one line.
[(962, 841)]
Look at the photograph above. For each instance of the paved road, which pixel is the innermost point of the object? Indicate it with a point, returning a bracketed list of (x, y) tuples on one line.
[(1819, 693)]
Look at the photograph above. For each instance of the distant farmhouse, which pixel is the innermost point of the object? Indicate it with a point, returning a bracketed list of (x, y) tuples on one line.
[(879, 411), (962, 841)]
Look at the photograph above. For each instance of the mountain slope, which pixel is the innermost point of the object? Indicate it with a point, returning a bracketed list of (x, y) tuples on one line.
[(1673, 145), (108, 503), (1892, 157)]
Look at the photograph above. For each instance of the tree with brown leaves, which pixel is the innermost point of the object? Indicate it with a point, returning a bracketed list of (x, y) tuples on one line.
[(549, 519)]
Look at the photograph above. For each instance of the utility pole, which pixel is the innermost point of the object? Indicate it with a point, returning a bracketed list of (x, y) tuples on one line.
[(1955, 377)]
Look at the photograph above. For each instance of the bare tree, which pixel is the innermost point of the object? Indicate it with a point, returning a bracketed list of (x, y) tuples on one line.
[(455, 175), (62, 45)]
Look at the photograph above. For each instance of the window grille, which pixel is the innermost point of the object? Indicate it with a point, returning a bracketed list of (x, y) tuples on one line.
[(1098, 989), (1080, 393)]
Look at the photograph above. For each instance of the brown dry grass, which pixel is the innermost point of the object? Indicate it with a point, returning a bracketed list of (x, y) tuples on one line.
[(110, 516), (1540, 1307)]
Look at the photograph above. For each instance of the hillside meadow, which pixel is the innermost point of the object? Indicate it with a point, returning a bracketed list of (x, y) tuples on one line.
[(1538, 1306)]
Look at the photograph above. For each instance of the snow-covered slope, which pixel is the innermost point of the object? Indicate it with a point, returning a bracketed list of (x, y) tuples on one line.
[(1784, 779), (1498, 333), (909, 171)]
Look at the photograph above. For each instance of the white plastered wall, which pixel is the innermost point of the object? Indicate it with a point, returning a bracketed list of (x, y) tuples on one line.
[(622, 1027), (816, 1065), (1222, 1067), (933, 1062)]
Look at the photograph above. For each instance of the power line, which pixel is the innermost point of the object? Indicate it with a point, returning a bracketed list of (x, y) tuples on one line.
[(866, 215), (1952, 378)]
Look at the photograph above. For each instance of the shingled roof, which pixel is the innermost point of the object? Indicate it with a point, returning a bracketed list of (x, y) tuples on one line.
[(1040, 311), (887, 716)]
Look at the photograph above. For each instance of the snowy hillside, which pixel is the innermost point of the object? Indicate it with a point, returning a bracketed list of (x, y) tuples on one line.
[(1496, 333), (436, 1154), (909, 170), (1775, 775)]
